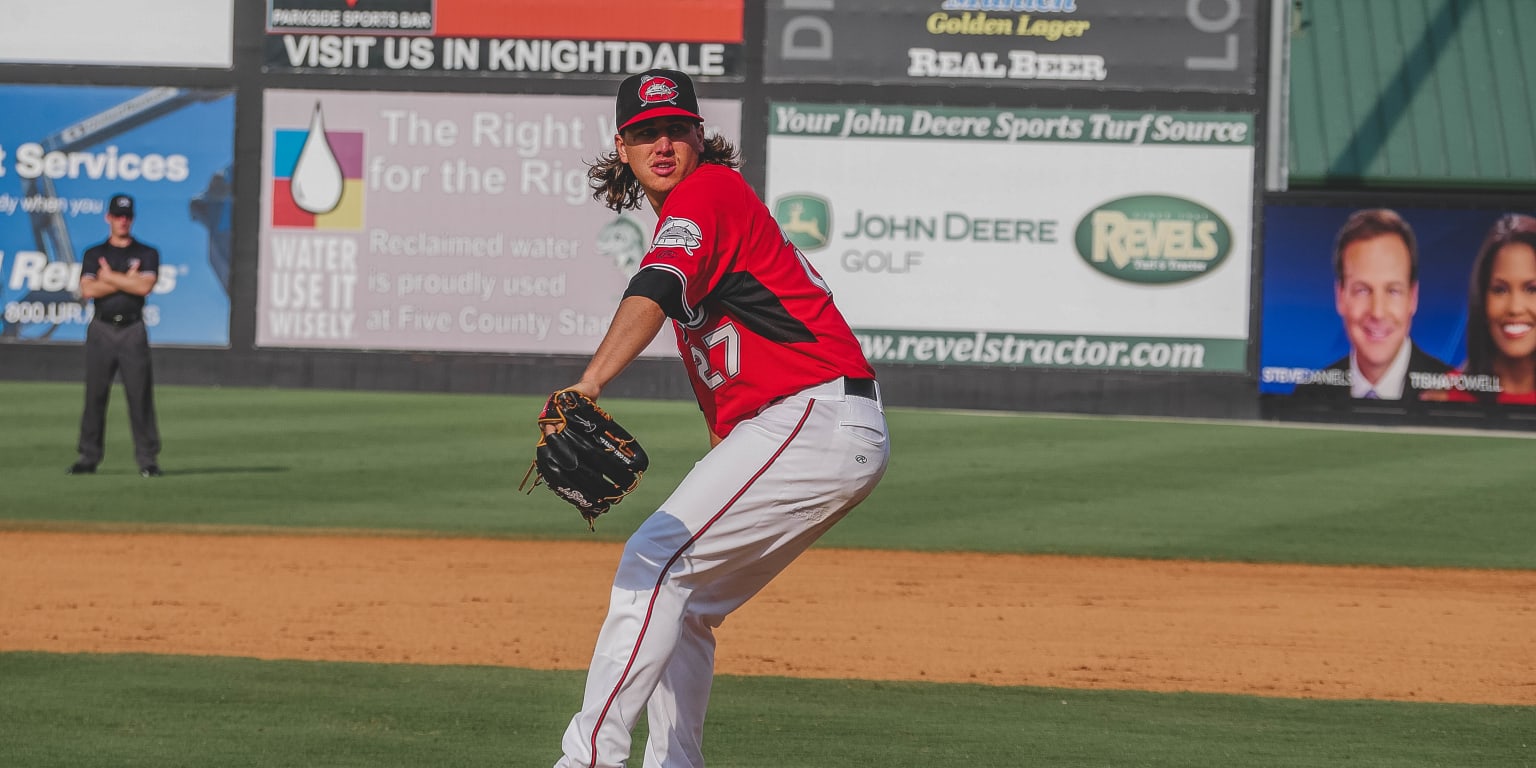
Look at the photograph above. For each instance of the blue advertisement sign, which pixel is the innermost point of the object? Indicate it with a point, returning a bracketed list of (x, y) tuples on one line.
[(65, 151), (1465, 331)]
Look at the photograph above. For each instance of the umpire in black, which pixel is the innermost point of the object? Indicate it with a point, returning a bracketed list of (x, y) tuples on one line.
[(117, 275)]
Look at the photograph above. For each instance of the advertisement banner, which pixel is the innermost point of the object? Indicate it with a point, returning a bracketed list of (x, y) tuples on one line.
[(144, 33), (539, 38), (441, 222), (64, 152), (1059, 238), (1463, 332), (1169, 45)]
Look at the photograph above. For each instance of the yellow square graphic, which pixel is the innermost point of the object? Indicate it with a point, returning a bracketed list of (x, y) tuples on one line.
[(349, 212)]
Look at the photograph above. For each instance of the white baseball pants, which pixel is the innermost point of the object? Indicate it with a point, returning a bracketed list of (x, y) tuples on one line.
[(747, 509)]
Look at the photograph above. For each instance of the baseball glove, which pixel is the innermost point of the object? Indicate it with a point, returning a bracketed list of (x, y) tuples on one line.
[(589, 460)]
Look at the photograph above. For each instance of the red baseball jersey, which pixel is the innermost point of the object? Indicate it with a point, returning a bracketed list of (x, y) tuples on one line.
[(761, 323)]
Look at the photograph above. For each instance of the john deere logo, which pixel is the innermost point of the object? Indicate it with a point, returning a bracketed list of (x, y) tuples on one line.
[(1153, 239), (805, 219)]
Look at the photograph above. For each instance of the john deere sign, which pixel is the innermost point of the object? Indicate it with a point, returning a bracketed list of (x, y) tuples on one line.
[(1153, 239), (805, 219)]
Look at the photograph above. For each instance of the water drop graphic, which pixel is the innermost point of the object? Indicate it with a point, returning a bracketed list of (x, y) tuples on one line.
[(317, 182)]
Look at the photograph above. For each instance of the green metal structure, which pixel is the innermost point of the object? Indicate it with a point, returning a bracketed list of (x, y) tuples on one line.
[(1412, 94)]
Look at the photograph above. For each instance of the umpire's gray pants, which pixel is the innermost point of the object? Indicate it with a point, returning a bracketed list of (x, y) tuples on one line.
[(110, 349)]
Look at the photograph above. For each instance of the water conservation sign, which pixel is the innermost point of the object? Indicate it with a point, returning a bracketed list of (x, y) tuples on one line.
[(1054, 238), (438, 222)]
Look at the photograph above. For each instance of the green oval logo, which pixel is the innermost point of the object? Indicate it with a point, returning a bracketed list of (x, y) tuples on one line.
[(1153, 239)]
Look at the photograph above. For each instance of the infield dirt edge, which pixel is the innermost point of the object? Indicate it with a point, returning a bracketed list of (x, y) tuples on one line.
[(1329, 632)]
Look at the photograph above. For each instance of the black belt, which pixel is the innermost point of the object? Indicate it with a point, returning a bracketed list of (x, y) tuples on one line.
[(121, 320), (864, 388)]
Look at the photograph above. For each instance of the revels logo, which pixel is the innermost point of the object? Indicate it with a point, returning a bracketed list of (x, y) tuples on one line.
[(1153, 239), (805, 219)]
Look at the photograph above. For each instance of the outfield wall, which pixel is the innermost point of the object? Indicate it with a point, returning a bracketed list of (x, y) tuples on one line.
[(1056, 207)]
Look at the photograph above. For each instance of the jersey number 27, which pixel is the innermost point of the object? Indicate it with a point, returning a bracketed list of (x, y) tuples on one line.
[(727, 337)]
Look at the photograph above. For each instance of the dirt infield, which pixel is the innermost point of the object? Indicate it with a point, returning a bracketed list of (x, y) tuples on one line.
[(1290, 631)]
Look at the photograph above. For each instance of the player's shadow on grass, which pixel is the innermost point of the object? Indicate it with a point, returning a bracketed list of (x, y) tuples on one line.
[(225, 471)]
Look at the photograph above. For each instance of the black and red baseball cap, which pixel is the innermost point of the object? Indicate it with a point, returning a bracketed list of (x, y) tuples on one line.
[(655, 93)]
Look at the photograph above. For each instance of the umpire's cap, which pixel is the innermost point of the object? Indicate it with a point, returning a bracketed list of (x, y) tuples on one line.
[(655, 93), (121, 205)]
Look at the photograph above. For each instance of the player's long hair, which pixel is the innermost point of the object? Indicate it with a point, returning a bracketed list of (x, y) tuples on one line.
[(615, 186), (1510, 228)]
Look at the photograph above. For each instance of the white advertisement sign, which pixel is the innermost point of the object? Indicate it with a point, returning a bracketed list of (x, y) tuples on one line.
[(441, 222), (148, 33), (1025, 237)]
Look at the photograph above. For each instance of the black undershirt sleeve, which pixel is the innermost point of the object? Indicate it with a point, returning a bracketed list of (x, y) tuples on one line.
[(662, 287)]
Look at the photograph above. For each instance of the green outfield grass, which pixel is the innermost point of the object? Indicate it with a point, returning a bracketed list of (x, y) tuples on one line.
[(450, 464), (76, 711), (436, 464)]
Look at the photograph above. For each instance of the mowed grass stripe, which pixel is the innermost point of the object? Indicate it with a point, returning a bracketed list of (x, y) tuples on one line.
[(67, 711), (451, 463)]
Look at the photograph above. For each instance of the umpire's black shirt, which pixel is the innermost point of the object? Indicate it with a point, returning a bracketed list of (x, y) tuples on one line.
[(120, 260)]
